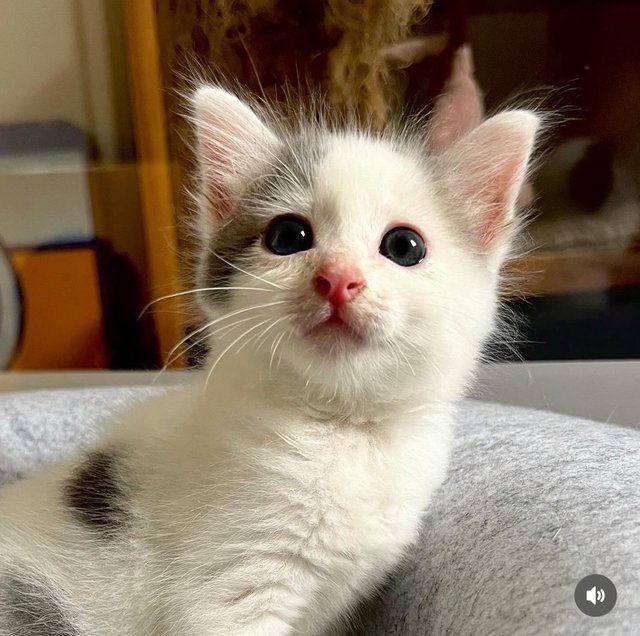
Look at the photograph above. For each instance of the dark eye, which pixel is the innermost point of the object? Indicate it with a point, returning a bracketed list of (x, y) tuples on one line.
[(403, 246), (288, 235)]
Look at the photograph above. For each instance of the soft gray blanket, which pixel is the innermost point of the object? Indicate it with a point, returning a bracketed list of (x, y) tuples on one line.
[(534, 502)]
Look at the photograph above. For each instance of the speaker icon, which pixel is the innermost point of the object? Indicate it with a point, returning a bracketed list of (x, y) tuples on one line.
[(595, 595)]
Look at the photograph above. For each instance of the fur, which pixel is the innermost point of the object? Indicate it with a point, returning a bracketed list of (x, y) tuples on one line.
[(283, 485)]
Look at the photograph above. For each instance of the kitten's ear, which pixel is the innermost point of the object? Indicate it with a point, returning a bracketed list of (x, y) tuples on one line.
[(231, 141), (459, 109), (488, 168)]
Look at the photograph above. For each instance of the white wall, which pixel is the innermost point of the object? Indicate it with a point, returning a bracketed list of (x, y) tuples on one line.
[(65, 59)]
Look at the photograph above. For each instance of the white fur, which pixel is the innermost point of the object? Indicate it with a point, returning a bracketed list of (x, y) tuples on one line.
[(285, 484)]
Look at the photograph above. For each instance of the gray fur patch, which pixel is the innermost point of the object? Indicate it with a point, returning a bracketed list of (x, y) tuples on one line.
[(30, 608), (96, 494), (229, 246), (292, 169)]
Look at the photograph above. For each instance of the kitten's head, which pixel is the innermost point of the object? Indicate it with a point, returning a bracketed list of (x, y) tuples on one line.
[(364, 266)]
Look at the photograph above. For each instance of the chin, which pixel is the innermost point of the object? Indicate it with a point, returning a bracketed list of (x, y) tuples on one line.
[(336, 357), (340, 335), (338, 341)]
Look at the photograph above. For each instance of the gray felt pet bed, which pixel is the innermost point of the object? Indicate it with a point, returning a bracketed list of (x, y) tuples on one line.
[(534, 502)]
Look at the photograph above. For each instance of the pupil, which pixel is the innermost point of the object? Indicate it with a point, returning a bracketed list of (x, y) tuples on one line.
[(286, 236), (402, 246), (289, 235)]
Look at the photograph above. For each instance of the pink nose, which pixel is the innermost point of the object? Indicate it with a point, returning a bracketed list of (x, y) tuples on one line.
[(339, 285)]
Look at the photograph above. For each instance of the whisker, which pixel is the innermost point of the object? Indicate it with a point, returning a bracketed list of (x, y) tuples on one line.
[(264, 280), (392, 347), (209, 335), (402, 353), (195, 291), (280, 356), (263, 334), (220, 318), (244, 344), (274, 348), (306, 371), (173, 358), (227, 349)]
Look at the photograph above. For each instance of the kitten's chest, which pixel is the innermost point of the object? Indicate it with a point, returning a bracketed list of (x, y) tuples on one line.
[(353, 491), (333, 494)]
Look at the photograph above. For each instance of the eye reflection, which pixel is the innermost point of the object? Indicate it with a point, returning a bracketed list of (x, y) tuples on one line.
[(403, 246), (288, 235)]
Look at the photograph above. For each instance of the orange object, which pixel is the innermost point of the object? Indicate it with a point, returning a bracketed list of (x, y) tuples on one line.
[(62, 309), (148, 95)]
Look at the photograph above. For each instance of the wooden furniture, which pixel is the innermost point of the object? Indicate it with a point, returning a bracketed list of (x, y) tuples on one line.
[(154, 168), (576, 270), (163, 44), (587, 55), (53, 281)]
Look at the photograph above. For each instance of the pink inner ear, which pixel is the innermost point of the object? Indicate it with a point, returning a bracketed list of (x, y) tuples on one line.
[(220, 201), (231, 141), (492, 222), (220, 149), (498, 196), (489, 166)]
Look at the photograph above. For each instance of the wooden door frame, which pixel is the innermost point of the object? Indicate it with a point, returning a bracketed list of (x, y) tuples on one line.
[(154, 169)]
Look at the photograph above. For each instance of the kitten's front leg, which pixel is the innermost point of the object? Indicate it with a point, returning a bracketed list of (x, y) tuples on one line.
[(268, 624), (265, 626), (241, 604)]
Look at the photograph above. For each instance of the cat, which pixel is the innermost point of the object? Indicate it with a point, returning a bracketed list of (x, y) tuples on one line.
[(350, 281), (588, 196)]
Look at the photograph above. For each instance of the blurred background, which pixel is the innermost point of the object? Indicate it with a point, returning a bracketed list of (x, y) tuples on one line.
[(94, 152)]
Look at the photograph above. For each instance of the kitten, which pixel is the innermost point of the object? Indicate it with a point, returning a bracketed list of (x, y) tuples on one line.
[(350, 282)]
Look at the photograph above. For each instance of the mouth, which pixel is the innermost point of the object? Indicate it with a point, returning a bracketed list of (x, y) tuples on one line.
[(334, 321), (337, 327)]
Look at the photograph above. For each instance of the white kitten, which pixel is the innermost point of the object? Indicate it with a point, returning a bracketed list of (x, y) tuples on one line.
[(350, 282)]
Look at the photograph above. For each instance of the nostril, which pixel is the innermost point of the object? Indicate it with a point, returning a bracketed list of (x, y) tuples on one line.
[(323, 286), (338, 286)]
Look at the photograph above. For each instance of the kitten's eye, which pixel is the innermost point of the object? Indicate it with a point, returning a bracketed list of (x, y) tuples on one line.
[(287, 235), (403, 246)]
